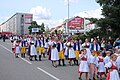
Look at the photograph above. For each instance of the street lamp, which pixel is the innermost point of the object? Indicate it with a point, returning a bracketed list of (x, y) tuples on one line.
[(67, 29)]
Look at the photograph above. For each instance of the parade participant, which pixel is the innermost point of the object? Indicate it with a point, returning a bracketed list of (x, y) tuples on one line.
[(50, 43), (13, 46), (46, 46), (32, 51), (60, 48), (95, 46), (113, 69), (38, 45), (77, 47), (66, 49), (86, 45), (11, 38), (54, 54), (23, 45), (4, 37), (71, 54), (17, 49), (118, 60), (101, 64), (107, 58), (93, 63), (42, 47), (83, 66)]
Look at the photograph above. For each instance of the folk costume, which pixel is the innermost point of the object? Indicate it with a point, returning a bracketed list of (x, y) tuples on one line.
[(71, 54), (23, 45), (95, 47), (113, 71), (54, 54), (83, 66), (76, 48), (60, 47), (42, 49), (86, 45), (93, 63), (101, 64), (38, 48), (17, 49), (32, 51), (107, 59), (46, 47)]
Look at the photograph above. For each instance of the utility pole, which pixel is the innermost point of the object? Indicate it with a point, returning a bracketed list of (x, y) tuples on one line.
[(67, 28)]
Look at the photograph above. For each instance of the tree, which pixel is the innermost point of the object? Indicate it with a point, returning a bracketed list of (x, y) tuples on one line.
[(111, 12), (42, 28), (35, 25)]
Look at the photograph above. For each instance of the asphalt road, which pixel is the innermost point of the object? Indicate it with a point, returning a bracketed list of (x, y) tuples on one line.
[(12, 68)]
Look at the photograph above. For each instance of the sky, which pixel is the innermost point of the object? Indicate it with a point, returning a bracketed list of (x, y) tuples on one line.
[(50, 12)]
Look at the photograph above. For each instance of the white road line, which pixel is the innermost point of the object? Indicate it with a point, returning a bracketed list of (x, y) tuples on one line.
[(25, 60), (48, 73), (19, 56), (31, 63)]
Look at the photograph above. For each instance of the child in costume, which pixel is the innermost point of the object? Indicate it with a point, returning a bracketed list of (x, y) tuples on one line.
[(93, 63), (101, 64), (17, 49), (83, 66), (113, 69)]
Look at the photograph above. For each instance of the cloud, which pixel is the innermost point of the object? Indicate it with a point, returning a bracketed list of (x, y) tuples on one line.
[(91, 14), (41, 13), (70, 1)]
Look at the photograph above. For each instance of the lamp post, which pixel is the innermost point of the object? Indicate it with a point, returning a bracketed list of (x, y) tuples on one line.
[(67, 28), (85, 27)]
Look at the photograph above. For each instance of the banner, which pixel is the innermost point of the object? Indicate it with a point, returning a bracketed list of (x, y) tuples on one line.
[(35, 29), (28, 19), (76, 23)]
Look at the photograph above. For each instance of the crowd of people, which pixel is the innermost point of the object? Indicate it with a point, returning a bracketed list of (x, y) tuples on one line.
[(95, 57)]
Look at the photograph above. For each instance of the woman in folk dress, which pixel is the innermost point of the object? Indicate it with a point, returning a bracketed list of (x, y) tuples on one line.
[(54, 54), (83, 66), (71, 54), (32, 51)]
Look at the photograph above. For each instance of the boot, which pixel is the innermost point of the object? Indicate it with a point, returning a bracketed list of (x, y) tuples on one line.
[(59, 63), (74, 62), (30, 58), (44, 55), (22, 55), (16, 55), (35, 57), (39, 57), (63, 61), (77, 62)]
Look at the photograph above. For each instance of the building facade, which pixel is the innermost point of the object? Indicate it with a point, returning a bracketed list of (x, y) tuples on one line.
[(17, 24)]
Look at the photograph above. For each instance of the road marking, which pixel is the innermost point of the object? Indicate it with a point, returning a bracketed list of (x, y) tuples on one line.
[(19, 56), (31, 63), (47, 73), (25, 60)]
